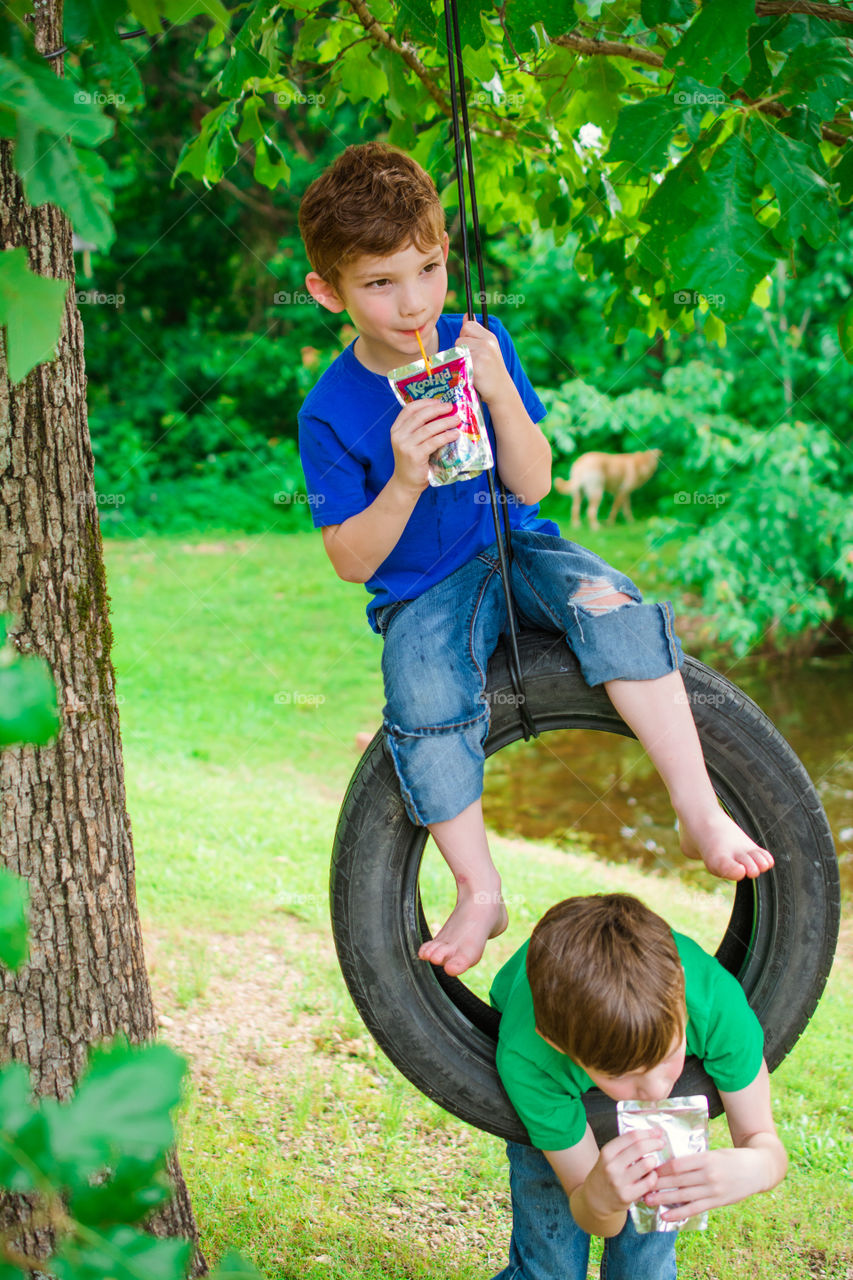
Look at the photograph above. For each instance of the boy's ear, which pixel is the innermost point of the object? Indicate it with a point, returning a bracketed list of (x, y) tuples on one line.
[(321, 291), (445, 245)]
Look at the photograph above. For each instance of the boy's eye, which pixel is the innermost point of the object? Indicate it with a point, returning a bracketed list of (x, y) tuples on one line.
[(432, 266), (372, 283)]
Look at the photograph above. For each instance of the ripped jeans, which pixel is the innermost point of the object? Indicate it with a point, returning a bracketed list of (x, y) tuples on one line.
[(437, 647)]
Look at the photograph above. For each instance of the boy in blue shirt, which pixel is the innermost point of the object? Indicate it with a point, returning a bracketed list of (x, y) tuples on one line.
[(606, 995), (374, 232)]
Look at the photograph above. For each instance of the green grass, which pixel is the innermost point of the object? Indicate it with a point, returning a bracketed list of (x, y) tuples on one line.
[(244, 671)]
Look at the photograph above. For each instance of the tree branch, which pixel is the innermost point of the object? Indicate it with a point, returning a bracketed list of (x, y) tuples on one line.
[(831, 12), (383, 37), (609, 49), (635, 53)]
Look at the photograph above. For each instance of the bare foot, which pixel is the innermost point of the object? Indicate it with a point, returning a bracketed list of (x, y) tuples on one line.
[(726, 850), (461, 940)]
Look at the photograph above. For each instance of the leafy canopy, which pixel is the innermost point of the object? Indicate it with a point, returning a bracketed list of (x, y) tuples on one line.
[(690, 146)]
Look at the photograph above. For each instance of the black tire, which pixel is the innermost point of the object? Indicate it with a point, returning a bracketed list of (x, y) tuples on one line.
[(779, 941)]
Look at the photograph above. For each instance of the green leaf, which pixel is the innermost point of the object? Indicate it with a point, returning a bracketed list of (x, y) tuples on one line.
[(816, 76), (724, 254), (801, 28), (28, 710), (715, 43), (760, 73), (271, 168), (121, 1254), (522, 15), (245, 63), (714, 329), (123, 1102), (670, 13), (180, 11), (361, 77), (596, 86), (806, 202), (644, 132), (418, 19), (842, 173), (470, 27), (14, 906), (148, 13), (214, 150), (133, 1190), (845, 332), (25, 1156), (270, 165), (234, 1267), (667, 214), (34, 93), (55, 172)]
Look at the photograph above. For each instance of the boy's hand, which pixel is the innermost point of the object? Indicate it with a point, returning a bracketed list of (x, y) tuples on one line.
[(419, 429), (623, 1173), (709, 1179), (491, 376)]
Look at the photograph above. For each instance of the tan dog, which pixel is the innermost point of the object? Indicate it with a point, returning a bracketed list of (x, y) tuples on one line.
[(594, 474)]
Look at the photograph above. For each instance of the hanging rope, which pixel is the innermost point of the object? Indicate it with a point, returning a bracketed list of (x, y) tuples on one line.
[(459, 100)]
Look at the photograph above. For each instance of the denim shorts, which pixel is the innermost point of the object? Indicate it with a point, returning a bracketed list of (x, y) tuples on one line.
[(437, 647), (547, 1243)]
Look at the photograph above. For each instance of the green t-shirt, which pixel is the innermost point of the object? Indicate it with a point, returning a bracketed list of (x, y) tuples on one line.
[(545, 1086)]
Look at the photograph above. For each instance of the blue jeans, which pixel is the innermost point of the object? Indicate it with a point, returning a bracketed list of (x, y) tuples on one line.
[(547, 1243), (437, 647)]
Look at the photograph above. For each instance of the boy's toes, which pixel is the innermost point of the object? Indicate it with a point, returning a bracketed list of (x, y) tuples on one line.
[(754, 861), (435, 951), (724, 866), (453, 959)]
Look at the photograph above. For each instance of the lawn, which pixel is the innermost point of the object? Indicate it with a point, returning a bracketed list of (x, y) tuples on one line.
[(244, 671)]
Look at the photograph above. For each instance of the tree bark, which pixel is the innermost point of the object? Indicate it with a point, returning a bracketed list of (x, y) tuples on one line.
[(65, 826)]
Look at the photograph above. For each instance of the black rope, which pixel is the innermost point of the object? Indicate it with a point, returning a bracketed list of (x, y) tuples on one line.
[(126, 35), (503, 537)]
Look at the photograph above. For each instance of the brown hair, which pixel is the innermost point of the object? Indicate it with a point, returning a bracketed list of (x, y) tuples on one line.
[(607, 982), (372, 201)]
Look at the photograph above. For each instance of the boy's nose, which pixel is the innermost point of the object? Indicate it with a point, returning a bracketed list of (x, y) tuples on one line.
[(411, 305)]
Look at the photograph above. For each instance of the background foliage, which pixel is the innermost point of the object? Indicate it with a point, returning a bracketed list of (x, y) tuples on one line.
[(657, 199)]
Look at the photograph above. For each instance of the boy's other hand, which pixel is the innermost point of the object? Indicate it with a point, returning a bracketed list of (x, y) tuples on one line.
[(710, 1179), (623, 1173), (491, 376), (419, 429)]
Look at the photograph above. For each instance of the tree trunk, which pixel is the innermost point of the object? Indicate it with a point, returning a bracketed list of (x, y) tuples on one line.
[(65, 827)]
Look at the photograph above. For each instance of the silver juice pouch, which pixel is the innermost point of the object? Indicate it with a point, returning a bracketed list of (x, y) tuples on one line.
[(684, 1123), (450, 379)]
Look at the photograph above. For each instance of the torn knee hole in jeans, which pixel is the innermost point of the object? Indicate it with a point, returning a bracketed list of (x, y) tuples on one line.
[(597, 596)]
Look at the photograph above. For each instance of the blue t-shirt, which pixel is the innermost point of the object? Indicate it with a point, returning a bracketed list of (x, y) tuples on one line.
[(345, 446)]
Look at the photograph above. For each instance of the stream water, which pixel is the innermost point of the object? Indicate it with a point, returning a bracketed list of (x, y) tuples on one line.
[(602, 785)]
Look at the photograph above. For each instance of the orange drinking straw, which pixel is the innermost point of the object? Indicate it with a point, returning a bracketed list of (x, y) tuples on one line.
[(423, 353)]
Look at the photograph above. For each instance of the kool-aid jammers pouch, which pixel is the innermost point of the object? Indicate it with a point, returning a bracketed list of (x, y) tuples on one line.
[(684, 1124), (449, 376)]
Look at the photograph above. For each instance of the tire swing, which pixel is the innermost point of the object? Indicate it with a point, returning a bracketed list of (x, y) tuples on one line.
[(781, 936), (779, 941)]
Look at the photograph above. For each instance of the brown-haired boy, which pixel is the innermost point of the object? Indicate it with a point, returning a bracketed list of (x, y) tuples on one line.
[(605, 994), (374, 232)]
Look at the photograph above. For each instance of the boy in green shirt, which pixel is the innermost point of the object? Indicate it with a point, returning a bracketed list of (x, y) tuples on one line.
[(605, 995)]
